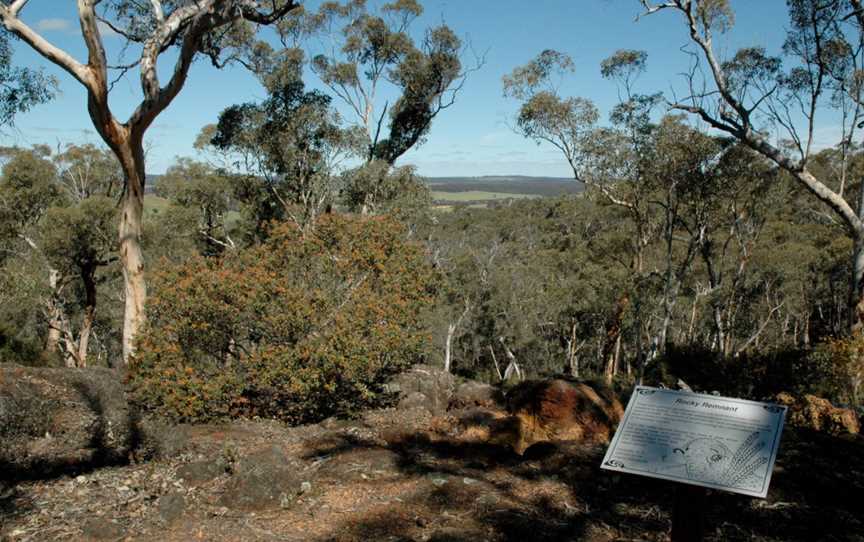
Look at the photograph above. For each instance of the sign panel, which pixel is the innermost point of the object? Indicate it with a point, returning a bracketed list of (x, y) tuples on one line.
[(704, 440)]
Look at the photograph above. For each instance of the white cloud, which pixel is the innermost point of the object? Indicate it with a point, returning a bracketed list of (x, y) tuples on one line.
[(53, 25), (67, 26)]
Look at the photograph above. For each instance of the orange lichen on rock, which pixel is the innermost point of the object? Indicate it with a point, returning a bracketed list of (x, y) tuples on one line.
[(557, 410), (819, 414)]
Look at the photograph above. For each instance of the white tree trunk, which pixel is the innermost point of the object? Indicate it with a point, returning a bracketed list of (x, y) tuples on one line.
[(451, 330), (131, 255)]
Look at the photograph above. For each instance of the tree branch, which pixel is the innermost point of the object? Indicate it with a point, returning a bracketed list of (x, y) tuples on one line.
[(10, 20)]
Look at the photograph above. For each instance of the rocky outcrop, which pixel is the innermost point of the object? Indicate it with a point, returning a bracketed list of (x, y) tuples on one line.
[(818, 414), (557, 410), (263, 480), (475, 394), (53, 420), (424, 386)]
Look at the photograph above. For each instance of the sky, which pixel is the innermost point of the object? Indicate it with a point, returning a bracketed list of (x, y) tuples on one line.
[(471, 138)]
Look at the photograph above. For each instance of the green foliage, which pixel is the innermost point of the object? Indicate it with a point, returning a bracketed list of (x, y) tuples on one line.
[(836, 370), (203, 197), (28, 187), (567, 123), (624, 64), (306, 325), (80, 237), (425, 76), (529, 274), (373, 48), (715, 14), (17, 349), (833, 370), (376, 187), (20, 88), (289, 143), (58, 237), (87, 170), (538, 75)]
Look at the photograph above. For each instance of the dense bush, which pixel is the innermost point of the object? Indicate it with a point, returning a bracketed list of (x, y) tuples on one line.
[(838, 367), (299, 328), (832, 369)]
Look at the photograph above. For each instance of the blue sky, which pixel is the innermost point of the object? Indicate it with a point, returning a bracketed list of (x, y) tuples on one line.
[(472, 137)]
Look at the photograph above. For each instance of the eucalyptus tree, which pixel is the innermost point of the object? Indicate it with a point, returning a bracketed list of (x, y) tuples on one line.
[(66, 241), (20, 88), (78, 240), (368, 50), (291, 143), (609, 160), (391, 84), (209, 27), (206, 193), (88, 170), (751, 94)]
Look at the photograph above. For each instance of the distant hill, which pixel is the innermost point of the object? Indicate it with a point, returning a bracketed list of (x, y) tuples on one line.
[(151, 182), (507, 184), (498, 178), (501, 184)]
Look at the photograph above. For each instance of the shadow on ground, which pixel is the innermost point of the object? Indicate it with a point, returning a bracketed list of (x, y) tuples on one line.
[(558, 492)]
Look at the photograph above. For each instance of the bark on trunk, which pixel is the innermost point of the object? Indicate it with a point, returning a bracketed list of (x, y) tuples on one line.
[(451, 330), (613, 335), (131, 257), (856, 297), (573, 352), (89, 279), (55, 316)]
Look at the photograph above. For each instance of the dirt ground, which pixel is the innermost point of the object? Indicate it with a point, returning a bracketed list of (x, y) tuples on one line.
[(407, 476)]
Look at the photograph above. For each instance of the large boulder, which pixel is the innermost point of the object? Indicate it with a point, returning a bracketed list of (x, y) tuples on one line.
[(812, 412), (56, 419), (424, 386), (557, 410), (475, 394), (263, 480)]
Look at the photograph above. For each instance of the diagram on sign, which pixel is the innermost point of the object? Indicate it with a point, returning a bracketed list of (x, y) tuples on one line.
[(710, 460)]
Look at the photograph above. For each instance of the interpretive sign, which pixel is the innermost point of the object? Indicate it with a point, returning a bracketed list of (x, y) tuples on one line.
[(705, 440)]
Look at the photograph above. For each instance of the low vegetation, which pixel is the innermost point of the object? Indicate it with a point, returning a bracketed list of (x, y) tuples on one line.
[(302, 327)]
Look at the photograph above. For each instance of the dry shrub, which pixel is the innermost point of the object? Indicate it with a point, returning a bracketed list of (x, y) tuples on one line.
[(302, 327)]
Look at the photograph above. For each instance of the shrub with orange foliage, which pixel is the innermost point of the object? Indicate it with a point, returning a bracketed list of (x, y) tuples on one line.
[(300, 328), (838, 366)]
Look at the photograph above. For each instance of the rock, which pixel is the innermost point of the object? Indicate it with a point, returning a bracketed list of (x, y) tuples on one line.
[(557, 410), (54, 419), (263, 480), (171, 507), (438, 479), (812, 412), (160, 439), (365, 463), (415, 399), (334, 424), (472, 394), (102, 529), (435, 385), (199, 472)]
